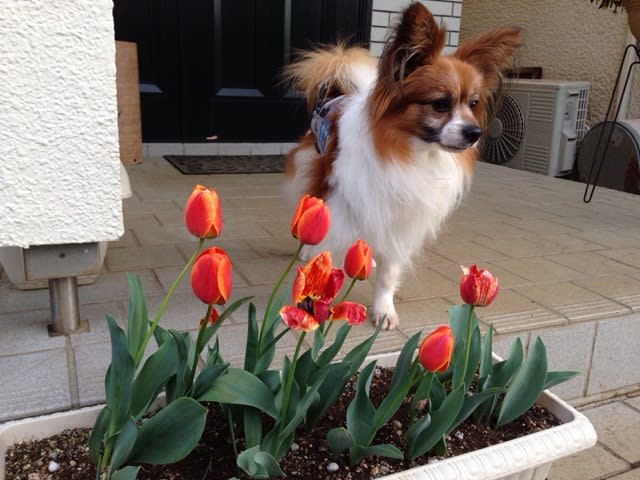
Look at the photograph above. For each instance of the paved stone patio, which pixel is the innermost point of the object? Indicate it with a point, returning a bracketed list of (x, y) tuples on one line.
[(569, 272)]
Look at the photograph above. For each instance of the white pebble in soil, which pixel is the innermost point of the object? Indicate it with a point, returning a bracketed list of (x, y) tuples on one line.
[(332, 467), (459, 435), (53, 466), (295, 447)]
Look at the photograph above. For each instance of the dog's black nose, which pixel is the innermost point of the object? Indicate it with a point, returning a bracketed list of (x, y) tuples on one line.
[(471, 133)]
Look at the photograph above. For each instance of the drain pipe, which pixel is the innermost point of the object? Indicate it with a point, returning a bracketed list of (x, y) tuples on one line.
[(65, 307)]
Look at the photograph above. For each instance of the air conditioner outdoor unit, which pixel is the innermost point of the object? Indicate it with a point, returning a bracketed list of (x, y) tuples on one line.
[(538, 126)]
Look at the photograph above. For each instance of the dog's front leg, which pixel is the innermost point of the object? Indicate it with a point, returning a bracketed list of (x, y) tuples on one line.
[(387, 282)]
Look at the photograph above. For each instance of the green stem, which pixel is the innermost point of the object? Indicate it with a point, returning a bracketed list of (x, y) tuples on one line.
[(272, 297), (165, 302), (467, 346), (232, 432), (196, 353), (289, 384), (346, 294)]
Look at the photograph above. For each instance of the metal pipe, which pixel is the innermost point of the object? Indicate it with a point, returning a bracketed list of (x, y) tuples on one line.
[(65, 310)]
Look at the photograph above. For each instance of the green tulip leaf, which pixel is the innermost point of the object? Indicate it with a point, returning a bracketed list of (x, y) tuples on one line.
[(336, 377), (251, 348), (124, 444), (404, 362), (171, 434), (119, 377), (503, 371), (361, 411), (97, 434), (330, 352), (239, 387), (486, 360), (383, 450), (155, 373), (259, 464), (339, 440), (206, 377), (252, 421), (474, 401), (127, 473), (422, 438), (557, 377), (138, 320), (526, 385), (210, 330)]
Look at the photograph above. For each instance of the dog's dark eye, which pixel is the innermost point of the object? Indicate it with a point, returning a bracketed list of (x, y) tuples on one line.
[(441, 105), (474, 103)]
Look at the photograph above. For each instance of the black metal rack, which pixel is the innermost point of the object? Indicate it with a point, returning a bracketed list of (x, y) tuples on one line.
[(609, 125)]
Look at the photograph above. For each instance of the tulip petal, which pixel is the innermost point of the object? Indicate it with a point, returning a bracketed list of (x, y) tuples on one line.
[(297, 319), (353, 313), (202, 213)]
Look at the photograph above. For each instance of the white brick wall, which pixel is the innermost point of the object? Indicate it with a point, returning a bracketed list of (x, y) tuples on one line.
[(385, 15)]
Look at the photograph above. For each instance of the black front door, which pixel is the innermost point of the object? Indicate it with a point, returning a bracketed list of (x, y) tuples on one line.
[(211, 68)]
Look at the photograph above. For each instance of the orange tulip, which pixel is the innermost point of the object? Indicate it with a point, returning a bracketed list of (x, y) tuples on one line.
[(316, 285), (311, 220), (211, 276), (436, 349), (478, 287), (353, 313), (202, 214), (358, 261)]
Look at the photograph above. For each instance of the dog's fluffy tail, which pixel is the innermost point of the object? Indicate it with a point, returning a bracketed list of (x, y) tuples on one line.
[(342, 70)]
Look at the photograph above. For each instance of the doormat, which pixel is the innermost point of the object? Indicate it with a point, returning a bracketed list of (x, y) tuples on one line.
[(216, 164)]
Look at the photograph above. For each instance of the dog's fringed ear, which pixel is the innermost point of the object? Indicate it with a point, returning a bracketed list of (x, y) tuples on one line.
[(416, 41), (491, 52)]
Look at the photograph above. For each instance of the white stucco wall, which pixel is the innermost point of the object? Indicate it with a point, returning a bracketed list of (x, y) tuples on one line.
[(59, 162), (385, 14), (569, 39)]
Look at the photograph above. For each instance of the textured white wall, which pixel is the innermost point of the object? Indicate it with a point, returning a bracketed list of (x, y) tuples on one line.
[(59, 163), (569, 39), (385, 13)]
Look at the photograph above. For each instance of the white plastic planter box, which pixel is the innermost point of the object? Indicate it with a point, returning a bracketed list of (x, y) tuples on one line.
[(528, 457)]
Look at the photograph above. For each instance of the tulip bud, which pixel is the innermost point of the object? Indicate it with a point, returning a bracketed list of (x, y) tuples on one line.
[(436, 350), (358, 261), (311, 220), (211, 276), (478, 287), (202, 213)]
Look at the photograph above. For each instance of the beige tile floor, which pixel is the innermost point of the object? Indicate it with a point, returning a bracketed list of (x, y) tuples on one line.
[(569, 272)]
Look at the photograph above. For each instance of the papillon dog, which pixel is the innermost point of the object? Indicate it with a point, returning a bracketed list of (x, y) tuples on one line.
[(393, 142)]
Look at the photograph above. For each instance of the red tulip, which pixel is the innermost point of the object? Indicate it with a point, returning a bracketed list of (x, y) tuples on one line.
[(358, 261), (202, 214), (478, 287), (211, 276), (353, 313), (311, 220), (436, 349)]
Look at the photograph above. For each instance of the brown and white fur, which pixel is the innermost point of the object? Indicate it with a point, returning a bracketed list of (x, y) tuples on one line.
[(401, 148)]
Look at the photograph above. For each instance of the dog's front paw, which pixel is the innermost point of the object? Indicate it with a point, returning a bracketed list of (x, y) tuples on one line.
[(387, 320)]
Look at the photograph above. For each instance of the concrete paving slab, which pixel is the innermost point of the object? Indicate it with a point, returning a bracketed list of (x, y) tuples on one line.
[(592, 464), (618, 429), (615, 355), (34, 384)]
